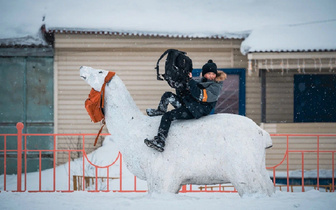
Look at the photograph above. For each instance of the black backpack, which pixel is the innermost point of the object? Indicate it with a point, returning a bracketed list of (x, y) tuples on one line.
[(177, 69)]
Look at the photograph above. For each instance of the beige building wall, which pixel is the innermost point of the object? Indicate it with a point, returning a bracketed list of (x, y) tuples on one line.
[(253, 97), (280, 94), (280, 110), (280, 70), (133, 58)]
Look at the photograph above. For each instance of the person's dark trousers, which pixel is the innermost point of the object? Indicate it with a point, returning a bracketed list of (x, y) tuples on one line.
[(181, 113), (169, 98)]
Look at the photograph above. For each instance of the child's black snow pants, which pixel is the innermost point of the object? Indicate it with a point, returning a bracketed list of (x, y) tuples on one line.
[(179, 113)]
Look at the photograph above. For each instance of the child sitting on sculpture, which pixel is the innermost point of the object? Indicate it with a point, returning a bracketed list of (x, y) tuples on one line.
[(198, 100)]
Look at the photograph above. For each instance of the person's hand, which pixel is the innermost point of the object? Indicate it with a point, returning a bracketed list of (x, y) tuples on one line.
[(190, 75)]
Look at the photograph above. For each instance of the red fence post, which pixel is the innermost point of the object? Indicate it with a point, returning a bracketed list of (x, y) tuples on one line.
[(287, 153), (318, 163), (120, 172), (184, 189), (19, 127)]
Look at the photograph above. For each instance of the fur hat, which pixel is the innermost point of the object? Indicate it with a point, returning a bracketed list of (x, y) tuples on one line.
[(209, 67)]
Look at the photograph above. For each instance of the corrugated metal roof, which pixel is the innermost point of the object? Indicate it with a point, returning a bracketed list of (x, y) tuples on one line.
[(30, 41), (150, 34), (291, 51)]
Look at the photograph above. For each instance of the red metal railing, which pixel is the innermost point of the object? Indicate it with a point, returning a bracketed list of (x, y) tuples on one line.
[(185, 189), (317, 151), (24, 151)]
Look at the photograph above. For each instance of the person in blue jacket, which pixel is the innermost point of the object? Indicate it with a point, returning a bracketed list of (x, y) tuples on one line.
[(201, 98)]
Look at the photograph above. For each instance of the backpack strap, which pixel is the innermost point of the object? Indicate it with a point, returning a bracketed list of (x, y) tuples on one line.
[(158, 76), (107, 79), (95, 142)]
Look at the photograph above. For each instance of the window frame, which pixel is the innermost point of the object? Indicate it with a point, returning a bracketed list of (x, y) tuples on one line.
[(242, 85)]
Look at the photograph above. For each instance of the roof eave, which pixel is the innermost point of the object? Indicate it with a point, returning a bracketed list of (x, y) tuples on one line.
[(142, 34)]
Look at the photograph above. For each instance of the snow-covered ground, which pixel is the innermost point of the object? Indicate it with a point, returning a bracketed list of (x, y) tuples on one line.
[(85, 200)]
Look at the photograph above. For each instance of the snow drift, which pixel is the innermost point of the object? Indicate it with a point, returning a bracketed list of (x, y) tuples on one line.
[(217, 149)]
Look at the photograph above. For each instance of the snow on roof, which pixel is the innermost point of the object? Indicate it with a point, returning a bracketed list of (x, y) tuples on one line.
[(23, 41), (174, 18), (301, 37)]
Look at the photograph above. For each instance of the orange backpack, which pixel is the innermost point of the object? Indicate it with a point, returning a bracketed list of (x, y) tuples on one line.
[(95, 103)]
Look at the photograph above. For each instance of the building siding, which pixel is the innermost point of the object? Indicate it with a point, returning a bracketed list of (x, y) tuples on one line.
[(133, 58), (277, 152), (280, 112)]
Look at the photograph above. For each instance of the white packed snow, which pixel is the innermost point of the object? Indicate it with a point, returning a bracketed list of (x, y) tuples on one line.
[(302, 37), (215, 149), (311, 200)]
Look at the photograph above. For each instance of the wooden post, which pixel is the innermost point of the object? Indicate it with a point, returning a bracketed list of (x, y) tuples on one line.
[(74, 182)]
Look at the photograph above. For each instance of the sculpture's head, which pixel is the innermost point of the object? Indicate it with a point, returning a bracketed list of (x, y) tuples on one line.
[(94, 77)]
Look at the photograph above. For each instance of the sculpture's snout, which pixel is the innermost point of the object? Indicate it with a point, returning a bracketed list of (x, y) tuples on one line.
[(83, 73)]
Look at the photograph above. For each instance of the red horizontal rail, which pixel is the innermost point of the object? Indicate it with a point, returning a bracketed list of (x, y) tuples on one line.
[(317, 151), (303, 135), (23, 151)]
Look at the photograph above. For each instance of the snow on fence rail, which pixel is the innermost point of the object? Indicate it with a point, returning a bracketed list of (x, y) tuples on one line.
[(100, 183)]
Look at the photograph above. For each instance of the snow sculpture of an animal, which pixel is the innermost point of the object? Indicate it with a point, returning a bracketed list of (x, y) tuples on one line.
[(216, 149)]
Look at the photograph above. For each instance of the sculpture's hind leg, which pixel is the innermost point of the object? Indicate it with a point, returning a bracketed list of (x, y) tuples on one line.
[(268, 183), (164, 182)]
